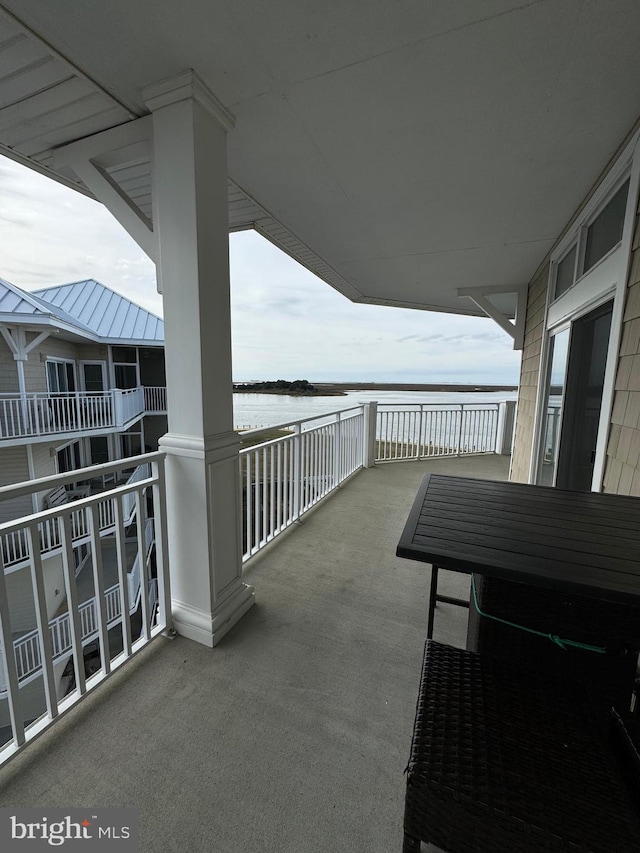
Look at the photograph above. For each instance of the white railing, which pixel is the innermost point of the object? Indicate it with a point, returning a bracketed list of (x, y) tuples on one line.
[(14, 547), (27, 647), (43, 414), (127, 405), (284, 477), (422, 431), (66, 635), (155, 399)]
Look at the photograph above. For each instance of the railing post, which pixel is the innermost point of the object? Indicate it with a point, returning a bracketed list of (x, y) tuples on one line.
[(337, 450), (459, 438), (297, 470), (505, 427), (116, 396), (79, 423), (369, 454)]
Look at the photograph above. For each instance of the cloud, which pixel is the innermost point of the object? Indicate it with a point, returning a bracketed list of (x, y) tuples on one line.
[(285, 321)]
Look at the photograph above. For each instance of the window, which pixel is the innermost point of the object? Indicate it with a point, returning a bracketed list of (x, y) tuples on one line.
[(605, 231), (93, 376), (125, 367), (596, 238), (60, 377), (565, 273), (68, 458), (126, 376)]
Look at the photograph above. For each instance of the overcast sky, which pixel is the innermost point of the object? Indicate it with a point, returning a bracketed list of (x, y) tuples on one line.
[(286, 322)]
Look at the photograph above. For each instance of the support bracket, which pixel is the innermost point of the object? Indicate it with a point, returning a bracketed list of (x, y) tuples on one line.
[(514, 329), (91, 158)]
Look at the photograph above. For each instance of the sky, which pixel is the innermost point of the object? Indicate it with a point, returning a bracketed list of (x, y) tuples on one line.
[(286, 323)]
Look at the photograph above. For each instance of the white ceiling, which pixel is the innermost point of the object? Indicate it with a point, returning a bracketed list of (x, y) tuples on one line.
[(409, 148)]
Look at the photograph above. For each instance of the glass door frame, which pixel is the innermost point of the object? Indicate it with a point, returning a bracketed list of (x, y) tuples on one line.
[(103, 365), (605, 281)]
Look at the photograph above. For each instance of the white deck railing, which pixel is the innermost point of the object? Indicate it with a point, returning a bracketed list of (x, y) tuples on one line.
[(155, 399), (43, 414), (422, 431), (27, 647), (14, 546), (286, 476), (67, 635)]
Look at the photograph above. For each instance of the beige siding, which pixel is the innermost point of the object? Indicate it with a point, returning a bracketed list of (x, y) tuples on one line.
[(92, 352), (21, 602), (8, 370), (14, 469), (44, 465), (529, 373), (35, 370), (622, 470)]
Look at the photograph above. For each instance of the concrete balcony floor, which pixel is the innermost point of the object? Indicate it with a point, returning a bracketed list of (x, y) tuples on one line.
[(293, 734)]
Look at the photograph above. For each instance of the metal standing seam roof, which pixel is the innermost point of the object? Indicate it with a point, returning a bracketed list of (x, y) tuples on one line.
[(102, 311), (15, 301)]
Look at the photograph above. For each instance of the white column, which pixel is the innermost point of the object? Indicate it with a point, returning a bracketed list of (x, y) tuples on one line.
[(203, 488)]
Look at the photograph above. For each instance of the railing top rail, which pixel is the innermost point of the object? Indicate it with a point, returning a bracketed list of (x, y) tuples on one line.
[(251, 433), (16, 395), (45, 483), (488, 404), (74, 506)]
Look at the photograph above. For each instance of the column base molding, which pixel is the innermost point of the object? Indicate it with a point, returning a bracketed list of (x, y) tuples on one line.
[(214, 448), (210, 628)]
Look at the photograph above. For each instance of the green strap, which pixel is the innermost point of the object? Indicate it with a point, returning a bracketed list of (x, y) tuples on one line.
[(553, 637)]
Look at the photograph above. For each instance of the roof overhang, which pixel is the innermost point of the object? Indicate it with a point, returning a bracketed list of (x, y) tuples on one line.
[(405, 153)]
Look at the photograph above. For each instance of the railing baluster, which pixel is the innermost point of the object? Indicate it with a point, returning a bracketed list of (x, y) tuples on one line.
[(121, 556), (141, 524), (42, 621), (7, 657), (72, 601)]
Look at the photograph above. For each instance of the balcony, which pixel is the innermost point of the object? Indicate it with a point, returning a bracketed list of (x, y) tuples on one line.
[(35, 417), (294, 733)]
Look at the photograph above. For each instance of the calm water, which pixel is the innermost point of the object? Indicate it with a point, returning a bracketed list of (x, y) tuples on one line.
[(263, 410)]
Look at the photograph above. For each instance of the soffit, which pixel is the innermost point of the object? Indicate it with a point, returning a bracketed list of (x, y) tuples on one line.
[(409, 149)]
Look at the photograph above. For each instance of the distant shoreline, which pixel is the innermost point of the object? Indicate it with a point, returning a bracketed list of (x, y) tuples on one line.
[(403, 386), (335, 389)]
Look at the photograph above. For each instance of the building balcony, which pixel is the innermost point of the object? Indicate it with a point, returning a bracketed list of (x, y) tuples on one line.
[(39, 416), (294, 733)]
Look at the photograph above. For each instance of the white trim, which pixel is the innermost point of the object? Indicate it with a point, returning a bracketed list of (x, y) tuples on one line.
[(61, 360), (615, 337), (606, 280), (183, 87), (105, 376), (514, 329)]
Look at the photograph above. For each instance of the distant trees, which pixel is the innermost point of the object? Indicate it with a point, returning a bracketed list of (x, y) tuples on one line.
[(279, 386)]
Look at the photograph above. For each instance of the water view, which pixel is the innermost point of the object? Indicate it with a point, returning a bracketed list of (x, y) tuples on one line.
[(263, 410)]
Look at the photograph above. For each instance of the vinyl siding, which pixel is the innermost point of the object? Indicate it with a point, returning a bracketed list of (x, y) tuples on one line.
[(14, 469), (622, 469), (8, 369), (529, 377)]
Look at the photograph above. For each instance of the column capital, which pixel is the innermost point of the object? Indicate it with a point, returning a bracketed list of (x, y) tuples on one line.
[(185, 86)]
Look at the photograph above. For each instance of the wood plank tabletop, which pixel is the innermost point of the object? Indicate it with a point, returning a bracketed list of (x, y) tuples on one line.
[(582, 542)]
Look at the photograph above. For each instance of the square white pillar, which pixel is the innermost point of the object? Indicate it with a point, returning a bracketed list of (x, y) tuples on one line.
[(203, 488)]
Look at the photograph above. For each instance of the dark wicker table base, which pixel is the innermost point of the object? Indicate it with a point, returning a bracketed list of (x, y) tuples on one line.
[(506, 760)]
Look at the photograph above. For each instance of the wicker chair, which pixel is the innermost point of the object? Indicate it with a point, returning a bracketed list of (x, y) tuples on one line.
[(506, 761)]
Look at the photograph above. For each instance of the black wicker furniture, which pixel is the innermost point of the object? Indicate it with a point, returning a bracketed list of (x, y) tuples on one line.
[(506, 761), (530, 544)]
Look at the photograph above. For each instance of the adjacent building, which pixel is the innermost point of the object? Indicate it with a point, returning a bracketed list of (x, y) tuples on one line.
[(81, 383)]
